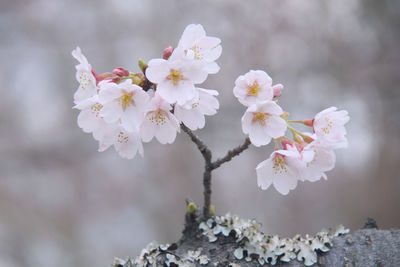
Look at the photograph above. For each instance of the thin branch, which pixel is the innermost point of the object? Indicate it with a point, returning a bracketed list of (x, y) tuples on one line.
[(204, 150), (210, 166), (231, 153)]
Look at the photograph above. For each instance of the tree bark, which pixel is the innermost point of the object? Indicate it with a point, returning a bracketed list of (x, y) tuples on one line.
[(365, 247)]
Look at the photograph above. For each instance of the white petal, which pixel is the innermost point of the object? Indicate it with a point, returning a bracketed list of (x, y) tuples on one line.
[(212, 68), (275, 126), (166, 133), (108, 92), (257, 135), (111, 112), (192, 33), (87, 121), (147, 129), (264, 174), (157, 70), (270, 107), (284, 183)]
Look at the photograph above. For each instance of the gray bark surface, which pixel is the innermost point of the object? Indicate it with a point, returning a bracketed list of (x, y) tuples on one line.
[(364, 247)]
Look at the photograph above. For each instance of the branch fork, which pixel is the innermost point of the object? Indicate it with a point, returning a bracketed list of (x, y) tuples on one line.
[(210, 165)]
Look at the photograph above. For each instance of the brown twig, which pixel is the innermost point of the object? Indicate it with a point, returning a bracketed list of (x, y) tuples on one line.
[(210, 166), (231, 153)]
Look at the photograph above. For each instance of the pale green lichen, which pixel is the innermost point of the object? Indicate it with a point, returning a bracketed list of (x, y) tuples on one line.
[(268, 248), (253, 245), (148, 257)]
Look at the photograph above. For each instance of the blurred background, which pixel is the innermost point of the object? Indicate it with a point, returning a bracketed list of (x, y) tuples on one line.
[(62, 203)]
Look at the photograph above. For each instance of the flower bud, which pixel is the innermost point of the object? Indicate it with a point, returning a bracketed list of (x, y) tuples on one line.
[(142, 65), (309, 122), (285, 142), (138, 79), (167, 52), (308, 139), (297, 138), (116, 80), (212, 210), (285, 115), (121, 72), (277, 90), (100, 77), (191, 208)]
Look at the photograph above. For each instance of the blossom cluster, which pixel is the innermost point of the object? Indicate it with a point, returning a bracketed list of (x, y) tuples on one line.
[(307, 156), (124, 109)]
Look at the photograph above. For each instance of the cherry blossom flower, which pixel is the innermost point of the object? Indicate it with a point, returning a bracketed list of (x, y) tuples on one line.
[(253, 87), (276, 170), (196, 45), (300, 157), (277, 88), (329, 127), (106, 134), (89, 118), (192, 113), (127, 144), (87, 82), (159, 122), (176, 79), (262, 122), (323, 160), (126, 102)]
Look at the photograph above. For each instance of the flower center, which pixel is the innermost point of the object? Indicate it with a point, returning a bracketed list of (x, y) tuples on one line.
[(252, 89), (197, 52), (175, 76), (126, 100), (159, 117), (260, 117), (329, 125), (122, 138), (311, 163), (279, 165), (96, 109), (84, 80)]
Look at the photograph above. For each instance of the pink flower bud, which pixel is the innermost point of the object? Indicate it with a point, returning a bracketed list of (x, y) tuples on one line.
[(308, 139), (167, 52), (121, 72), (309, 122), (116, 80), (100, 77), (285, 143), (300, 146), (277, 90)]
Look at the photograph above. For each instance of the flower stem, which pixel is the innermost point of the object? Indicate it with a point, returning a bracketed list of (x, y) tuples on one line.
[(295, 121)]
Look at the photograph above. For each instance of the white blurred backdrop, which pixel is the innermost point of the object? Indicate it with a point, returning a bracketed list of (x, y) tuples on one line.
[(62, 203)]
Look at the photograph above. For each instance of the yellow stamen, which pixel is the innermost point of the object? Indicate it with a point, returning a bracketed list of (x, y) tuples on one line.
[(84, 80), (122, 138), (175, 76), (126, 100), (328, 127), (159, 117), (252, 89), (260, 117), (197, 52), (96, 109), (279, 165)]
